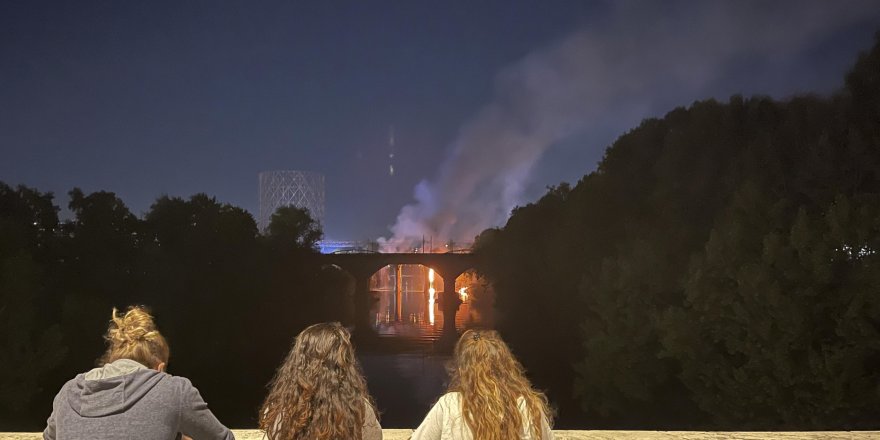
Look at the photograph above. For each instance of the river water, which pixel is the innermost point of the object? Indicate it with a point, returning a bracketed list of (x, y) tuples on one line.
[(405, 366)]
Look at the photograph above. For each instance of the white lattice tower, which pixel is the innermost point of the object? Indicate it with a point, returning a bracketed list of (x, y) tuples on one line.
[(303, 189)]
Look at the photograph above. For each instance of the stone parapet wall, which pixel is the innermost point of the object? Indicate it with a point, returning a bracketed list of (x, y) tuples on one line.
[(403, 434)]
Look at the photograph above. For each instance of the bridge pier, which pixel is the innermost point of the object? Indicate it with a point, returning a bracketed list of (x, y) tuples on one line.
[(449, 302)]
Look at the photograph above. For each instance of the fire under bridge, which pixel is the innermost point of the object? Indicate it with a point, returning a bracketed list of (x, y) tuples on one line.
[(362, 266)]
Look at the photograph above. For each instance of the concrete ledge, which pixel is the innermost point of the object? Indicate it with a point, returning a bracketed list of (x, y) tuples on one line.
[(403, 434)]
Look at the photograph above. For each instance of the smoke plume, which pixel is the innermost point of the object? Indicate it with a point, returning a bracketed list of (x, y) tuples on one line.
[(640, 54)]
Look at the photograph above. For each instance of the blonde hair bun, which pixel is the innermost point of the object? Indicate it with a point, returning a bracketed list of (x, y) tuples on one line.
[(136, 325), (134, 335)]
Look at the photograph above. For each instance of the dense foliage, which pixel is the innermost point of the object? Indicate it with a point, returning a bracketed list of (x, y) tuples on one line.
[(719, 269), (192, 261)]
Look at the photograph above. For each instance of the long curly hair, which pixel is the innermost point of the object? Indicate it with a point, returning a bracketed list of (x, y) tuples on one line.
[(493, 386), (319, 391)]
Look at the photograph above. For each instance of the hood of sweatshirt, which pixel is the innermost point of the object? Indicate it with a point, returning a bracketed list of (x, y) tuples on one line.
[(111, 389)]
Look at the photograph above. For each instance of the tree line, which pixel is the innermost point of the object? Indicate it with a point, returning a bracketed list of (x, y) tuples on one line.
[(719, 269), (227, 298)]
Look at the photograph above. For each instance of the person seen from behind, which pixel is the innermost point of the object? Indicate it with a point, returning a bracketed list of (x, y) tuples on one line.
[(488, 398), (319, 392), (129, 395)]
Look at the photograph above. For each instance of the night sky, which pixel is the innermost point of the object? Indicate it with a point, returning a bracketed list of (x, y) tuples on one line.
[(491, 101)]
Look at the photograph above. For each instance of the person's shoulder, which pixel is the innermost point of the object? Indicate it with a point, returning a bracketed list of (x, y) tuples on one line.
[(74, 382), (452, 398), (75, 379), (177, 379), (179, 386), (370, 416), (179, 383), (71, 384), (368, 408)]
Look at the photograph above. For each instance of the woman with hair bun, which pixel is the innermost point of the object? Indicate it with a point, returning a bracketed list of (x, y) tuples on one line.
[(319, 393), (130, 395), (489, 396)]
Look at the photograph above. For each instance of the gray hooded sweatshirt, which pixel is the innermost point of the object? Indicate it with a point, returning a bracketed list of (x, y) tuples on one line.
[(125, 400)]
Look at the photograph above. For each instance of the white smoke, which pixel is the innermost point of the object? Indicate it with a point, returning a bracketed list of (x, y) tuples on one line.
[(644, 51)]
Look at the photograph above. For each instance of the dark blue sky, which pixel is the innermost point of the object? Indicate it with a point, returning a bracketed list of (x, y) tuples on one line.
[(151, 98)]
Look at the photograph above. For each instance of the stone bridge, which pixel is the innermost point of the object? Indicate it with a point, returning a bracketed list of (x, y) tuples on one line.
[(362, 266)]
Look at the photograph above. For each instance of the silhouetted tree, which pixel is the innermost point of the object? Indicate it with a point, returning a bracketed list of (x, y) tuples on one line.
[(31, 345), (291, 227), (102, 253)]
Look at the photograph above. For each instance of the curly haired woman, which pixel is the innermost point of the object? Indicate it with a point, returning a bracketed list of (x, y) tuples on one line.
[(319, 393), (488, 398), (130, 395)]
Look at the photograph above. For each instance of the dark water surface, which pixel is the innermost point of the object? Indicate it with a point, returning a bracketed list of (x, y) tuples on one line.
[(404, 385), (405, 366)]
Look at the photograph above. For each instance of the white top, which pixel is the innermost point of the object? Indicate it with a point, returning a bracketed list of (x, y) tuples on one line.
[(444, 421)]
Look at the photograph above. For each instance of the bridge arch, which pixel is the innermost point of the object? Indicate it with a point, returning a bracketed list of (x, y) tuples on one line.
[(362, 266)]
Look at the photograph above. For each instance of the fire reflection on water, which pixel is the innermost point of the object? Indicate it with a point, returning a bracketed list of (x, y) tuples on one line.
[(407, 303), (431, 292), (405, 369)]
